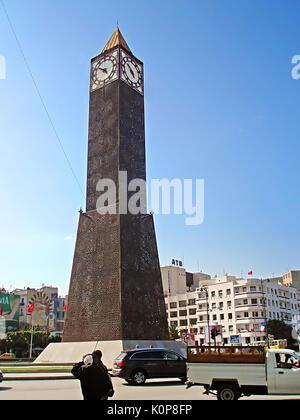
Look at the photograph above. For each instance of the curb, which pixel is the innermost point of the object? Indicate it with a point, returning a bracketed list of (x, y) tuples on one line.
[(35, 378)]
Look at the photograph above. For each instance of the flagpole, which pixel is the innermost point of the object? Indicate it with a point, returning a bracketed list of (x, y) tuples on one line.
[(31, 339)]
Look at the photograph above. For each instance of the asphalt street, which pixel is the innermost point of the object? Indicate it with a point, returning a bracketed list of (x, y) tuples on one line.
[(62, 389)]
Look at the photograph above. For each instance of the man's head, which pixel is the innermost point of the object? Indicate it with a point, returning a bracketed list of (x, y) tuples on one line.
[(88, 360), (97, 356)]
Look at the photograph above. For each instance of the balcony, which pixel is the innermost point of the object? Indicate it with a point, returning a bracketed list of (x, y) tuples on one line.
[(248, 320), (249, 307), (256, 294), (203, 321)]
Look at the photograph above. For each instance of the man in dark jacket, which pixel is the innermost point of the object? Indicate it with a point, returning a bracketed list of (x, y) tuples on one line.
[(94, 378)]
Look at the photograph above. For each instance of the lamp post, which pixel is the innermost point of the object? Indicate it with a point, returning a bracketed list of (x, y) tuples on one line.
[(264, 301), (31, 338), (31, 309), (204, 289)]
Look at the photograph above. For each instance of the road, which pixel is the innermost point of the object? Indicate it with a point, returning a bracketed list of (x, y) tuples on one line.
[(70, 390)]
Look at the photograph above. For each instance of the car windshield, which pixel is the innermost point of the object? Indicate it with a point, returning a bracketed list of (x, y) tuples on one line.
[(121, 357), (296, 355)]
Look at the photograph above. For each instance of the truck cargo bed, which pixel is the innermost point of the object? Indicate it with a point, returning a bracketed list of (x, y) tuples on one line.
[(226, 354)]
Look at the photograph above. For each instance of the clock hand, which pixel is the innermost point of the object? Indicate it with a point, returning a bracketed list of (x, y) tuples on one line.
[(131, 71), (104, 70)]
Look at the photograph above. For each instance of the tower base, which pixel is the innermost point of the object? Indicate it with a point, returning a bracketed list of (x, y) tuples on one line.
[(69, 353)]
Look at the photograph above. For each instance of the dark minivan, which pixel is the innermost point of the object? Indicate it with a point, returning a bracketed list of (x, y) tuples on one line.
[(135, 366)]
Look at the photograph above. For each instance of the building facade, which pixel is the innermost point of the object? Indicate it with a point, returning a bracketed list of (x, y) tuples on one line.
[(291, 278), (236, 308), (49, 308)]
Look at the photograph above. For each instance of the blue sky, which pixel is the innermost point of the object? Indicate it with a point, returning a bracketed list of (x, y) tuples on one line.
[(220, 105)]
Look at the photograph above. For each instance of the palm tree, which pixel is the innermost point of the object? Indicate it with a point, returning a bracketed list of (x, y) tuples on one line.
[(173, 332)]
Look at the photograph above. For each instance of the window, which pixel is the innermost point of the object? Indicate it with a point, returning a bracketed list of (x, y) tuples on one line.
[(173, 314), (213, 294), (121, 357), (192, 311), (220, 293), (193, 321), (170, 356), (253, 301), (192, 302), (149, 355), (252, 288), (173, 305), (182, 303), (183, 313), (286, 361), (228, 292), (183, 322), (230, 316)]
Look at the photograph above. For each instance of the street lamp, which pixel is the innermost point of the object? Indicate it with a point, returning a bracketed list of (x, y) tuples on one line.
[(204, 289), (264, 302)]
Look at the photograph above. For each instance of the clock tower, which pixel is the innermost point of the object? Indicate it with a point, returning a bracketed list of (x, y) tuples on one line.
[(115, 290)]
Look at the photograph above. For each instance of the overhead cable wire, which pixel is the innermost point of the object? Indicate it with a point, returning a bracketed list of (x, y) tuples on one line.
[(41, 99)]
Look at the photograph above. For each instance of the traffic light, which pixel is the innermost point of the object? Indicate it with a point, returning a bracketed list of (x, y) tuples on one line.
[(214, 333)]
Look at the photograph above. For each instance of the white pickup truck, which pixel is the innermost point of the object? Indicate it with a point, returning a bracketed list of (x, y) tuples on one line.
[(233, 372)]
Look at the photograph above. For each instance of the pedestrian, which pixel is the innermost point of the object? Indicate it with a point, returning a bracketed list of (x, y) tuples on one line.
[(94, 378)]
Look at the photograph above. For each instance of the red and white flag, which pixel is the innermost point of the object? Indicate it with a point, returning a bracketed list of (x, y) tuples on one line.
[(250, 273)]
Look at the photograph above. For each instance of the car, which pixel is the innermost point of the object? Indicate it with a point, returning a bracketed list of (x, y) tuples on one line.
[(1, 376), (7, 356), (136, 366)]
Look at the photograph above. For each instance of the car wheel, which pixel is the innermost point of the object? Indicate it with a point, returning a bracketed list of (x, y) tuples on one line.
[(138, 377), (228, 392)]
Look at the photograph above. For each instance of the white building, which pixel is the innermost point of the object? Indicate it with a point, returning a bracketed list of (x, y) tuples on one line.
[(239, 307)]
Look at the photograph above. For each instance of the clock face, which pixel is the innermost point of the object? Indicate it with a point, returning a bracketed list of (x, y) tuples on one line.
[(103, 71), (132, 73)]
